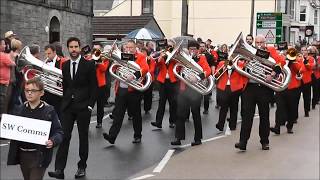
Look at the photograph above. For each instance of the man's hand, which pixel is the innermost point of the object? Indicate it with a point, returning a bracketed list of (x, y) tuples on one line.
[(49, 144), (193, 79), (130, 77), (269, 77)]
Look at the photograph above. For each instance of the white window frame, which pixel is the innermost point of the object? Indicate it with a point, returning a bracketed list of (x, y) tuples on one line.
[(315, 16), (305, 14)]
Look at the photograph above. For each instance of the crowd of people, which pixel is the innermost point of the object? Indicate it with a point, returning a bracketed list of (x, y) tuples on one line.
[(87, 82)]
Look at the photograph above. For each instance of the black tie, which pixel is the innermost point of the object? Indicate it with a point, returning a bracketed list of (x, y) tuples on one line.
[(73, 69)]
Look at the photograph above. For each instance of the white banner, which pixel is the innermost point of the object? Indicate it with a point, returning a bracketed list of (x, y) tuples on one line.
[(24, 129)]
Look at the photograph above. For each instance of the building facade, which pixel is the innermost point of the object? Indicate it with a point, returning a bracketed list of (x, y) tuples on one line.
[(298, 15), (218, 20), (47, 21)]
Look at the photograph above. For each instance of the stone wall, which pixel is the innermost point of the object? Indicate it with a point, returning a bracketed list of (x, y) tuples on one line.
[(28, 20)]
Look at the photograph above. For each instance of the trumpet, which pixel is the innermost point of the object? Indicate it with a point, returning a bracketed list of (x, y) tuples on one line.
[(99, 56), (223, 69)]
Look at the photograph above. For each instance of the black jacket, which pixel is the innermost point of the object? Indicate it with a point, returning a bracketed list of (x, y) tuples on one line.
[(83, 87), (47, 113)]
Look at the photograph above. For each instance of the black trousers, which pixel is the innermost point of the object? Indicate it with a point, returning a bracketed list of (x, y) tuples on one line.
[(167, 91), (29, 165), (69, 116), (101, 100), (206, 99), (108, 84), (229, 100), (287, 107), (124, 100), (255, 94), (315, 90), (186, 99), (147, 98), (306, 92)]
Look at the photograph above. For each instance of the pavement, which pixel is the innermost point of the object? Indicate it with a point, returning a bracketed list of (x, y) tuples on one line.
[(291, 156)]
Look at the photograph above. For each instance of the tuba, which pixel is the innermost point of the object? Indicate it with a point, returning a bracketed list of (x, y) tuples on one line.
[(121, 69), (257, 68), (188, 67), (30, 66)]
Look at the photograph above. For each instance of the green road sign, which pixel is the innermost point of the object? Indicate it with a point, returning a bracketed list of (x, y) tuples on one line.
[(270, 25)]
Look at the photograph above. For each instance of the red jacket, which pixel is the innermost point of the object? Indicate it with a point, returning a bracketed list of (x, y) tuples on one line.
[(214, 54), (152, 66), (308, 70), (317, 69), (101, 69), (236, 79), (140, 59), (295, 67), (163, 69), (206, 69)]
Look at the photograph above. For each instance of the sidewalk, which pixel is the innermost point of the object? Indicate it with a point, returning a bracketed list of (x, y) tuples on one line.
[(291, 156)]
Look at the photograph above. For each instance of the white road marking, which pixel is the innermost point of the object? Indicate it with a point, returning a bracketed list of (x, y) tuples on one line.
[(143, 177), (1, 145), (164, 161)]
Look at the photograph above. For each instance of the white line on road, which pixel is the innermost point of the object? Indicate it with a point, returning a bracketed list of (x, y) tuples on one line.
[(1, 145), (214, 138), (164, 161), (143, 177)]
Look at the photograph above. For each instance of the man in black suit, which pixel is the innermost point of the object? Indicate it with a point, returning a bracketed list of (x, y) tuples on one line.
[(79, 89)]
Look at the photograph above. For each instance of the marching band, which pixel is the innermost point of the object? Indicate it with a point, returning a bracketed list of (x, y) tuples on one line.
[(250, 70)]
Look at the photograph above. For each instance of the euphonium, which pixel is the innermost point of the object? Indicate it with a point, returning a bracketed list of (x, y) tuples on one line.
[(121, 69), (257, 68), (31, 66), (188, 67)]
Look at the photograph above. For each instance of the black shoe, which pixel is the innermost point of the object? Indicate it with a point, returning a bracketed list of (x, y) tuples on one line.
[(172, 125), (195, 143), (219, 128), (136, 140), (289, 131), (306, 114), (275, 130), (265, 147), (80, 173), (205, 112), (155, 124), (58, 174), (99, 125), (241, 146), (232, 128), (107, 137), (177, 142)]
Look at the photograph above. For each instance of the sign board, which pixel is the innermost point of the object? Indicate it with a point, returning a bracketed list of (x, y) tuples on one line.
[(309, 31), (270, 25), (24, 129)]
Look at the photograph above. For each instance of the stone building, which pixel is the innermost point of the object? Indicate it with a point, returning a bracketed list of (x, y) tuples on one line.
[(47, 21)]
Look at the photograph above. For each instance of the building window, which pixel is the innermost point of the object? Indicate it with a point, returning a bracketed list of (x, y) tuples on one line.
[(303, 10), (147, 6), (316, 19)]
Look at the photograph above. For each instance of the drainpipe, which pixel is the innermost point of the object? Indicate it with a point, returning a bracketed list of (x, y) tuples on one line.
[(252, 17)]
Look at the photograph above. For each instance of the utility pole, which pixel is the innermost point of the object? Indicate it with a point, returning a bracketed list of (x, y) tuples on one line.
[(184, 18), (252, 17)]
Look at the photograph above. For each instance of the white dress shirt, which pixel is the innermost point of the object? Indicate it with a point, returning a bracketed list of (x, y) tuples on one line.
[(53, 62), (77, 64)]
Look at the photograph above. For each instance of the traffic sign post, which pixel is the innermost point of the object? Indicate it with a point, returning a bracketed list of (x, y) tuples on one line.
[(270, 25)]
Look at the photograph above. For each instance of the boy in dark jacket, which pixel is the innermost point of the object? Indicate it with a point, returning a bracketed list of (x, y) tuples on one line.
[(33, 158)]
